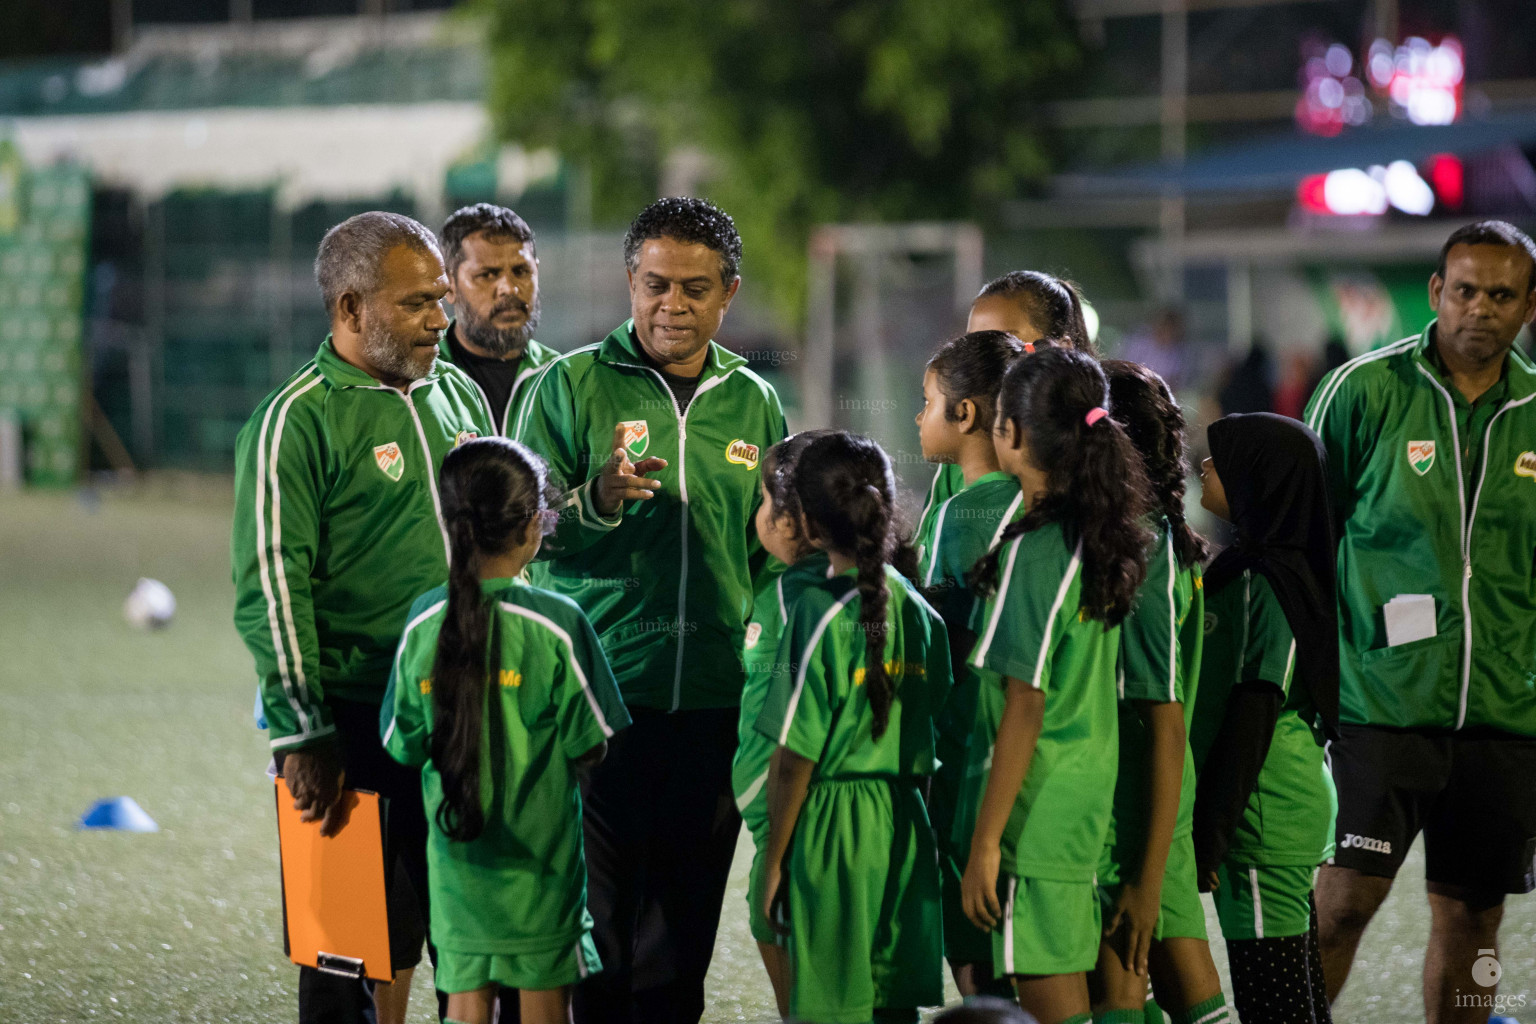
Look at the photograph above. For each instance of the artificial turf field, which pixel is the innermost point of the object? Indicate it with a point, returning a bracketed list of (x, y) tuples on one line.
[(184, 924)]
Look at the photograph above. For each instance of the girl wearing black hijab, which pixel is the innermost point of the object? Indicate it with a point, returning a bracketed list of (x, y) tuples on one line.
[(1267, 700)]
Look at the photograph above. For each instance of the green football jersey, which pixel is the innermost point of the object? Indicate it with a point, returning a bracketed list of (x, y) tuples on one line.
[(1034, 630), (961, 530), (947, 481), (1160, 647), (817, 705), (1289, 817), (1435, 495), (776, 594), (520, 887)]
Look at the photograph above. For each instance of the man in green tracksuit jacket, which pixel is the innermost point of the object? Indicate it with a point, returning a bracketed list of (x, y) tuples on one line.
[(493, 283), (657, 432), (336, 532), (1432, 449)]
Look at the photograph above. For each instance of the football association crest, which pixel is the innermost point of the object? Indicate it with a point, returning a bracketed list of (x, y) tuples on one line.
[(637, 437), (1421, 455), (742, 454), (464, 437), (1525, 465), (754, 634), (390, 461)]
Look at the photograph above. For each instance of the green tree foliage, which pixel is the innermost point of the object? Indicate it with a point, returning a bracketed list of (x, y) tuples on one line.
[(809, 110)]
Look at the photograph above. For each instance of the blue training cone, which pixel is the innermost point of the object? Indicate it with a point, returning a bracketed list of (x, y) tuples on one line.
[(121, 813)]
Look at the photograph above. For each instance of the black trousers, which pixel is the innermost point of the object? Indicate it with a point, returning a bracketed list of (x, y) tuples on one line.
[(660, 824), (327, 998)]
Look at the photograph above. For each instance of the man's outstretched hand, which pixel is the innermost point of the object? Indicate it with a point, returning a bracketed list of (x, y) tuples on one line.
[(315, 778), (622, 480)]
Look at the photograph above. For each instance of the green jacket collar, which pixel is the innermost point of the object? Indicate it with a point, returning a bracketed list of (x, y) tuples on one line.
[(1519, 373), (339, 373), (622, 348)]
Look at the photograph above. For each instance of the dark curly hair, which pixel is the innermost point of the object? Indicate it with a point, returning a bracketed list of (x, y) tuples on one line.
[(1055, 306), (1095, 485), (1146, 408), (497, 222), (686, 219)]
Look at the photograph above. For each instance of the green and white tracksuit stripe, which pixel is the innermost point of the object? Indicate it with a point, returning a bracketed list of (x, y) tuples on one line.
[(535, 358), (1437, 496), (668, 581), (337, 528)]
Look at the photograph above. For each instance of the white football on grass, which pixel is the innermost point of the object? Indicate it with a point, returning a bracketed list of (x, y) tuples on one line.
[(150, 605)]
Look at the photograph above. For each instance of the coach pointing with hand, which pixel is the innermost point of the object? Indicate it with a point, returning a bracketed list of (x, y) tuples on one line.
[(657, 431)]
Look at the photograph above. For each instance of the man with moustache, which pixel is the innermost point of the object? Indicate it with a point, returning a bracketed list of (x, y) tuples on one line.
[(336, 532), (659, 431), (1432, 452), (493, 283)]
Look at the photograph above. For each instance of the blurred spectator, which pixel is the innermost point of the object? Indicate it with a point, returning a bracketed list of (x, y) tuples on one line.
[(1161, 348), (1335, 355), (1250, 384)]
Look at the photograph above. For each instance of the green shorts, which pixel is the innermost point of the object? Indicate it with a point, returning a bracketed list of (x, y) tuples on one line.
[(865, 929), (755, 919), (1048, 927), (964, 943), (556, 968), (1260, 901), (1181, 915)]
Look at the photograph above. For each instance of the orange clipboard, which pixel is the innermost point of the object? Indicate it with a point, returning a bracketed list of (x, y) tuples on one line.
[(334, 914)]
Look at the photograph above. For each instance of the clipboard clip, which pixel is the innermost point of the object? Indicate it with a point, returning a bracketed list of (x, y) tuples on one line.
[(335, 963)]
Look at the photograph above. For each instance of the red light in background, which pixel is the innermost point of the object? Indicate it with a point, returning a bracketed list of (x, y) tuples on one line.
[(1447, 176), (1312, 193)]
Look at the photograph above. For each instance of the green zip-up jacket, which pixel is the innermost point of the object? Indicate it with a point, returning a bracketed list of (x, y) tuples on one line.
[(337, 530), (1436, 496), (667, 581), (535, 357)]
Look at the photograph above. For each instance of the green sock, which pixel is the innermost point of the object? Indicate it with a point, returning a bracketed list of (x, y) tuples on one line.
[(1120, 1017), (1153, 1012), (1212, 1011), (450, 1020), (1080, 1018)]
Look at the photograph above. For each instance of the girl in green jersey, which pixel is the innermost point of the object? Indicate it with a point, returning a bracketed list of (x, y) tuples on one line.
[(502, 695), (862, 671), (1058, 585), (1154, 923), (1269, 695), (955, 427), (783, 536)]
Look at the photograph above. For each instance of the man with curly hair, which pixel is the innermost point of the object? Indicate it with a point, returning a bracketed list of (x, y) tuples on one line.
[(657, 431)]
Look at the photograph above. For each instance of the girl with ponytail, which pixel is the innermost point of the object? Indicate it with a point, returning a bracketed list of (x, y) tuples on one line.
[(860, 674), (502, 696), (793, 566), (1058, 584), (1154, 923)]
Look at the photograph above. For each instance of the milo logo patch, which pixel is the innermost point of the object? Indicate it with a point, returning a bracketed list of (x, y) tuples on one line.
[(1525, 465), (742, 453)]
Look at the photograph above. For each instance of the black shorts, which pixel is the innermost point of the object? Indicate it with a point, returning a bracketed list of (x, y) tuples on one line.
[(1472, 793)]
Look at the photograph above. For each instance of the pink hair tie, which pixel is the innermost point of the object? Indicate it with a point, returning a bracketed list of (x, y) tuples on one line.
[(1095, 414)]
